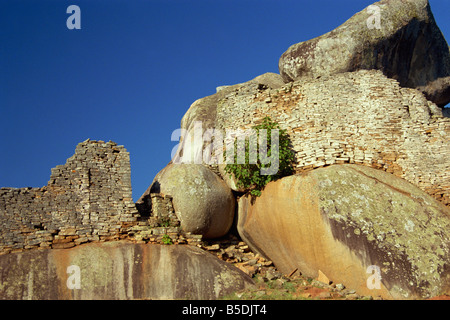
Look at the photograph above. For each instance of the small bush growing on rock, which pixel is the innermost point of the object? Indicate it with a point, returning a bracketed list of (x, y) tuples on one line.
[(166, 239), (248, 175)]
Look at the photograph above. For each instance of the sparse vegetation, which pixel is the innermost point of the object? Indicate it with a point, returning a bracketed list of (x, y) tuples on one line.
[(166, 239), (249, 175), (297, 288)]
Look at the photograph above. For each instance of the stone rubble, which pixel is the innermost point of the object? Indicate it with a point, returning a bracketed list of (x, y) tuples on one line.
[(233, 250)]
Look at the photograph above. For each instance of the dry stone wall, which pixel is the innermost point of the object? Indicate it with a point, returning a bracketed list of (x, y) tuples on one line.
[(359, 117), (160, 223), (87, 199)]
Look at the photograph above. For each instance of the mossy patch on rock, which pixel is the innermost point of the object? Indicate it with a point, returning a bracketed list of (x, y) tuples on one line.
[(391, 214), (343, 219)]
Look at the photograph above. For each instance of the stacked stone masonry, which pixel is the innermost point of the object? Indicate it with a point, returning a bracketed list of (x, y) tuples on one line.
[(159, 223), (361, 117), (87, 199)]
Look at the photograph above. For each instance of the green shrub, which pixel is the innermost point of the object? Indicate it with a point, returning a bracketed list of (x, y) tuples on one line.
[(166, 239), (248, 175)]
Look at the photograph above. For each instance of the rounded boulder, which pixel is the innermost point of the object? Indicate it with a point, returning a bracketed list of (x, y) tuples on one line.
[(202, 201), (365, 228)]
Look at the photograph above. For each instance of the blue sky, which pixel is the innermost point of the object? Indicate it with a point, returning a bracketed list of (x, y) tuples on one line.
[(133, 70)]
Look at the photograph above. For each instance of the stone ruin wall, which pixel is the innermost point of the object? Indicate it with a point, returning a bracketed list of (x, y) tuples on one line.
[(160, 223), (360, 117), (87, 199)]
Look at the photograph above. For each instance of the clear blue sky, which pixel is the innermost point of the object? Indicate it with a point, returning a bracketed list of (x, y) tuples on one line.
[(133, 70)]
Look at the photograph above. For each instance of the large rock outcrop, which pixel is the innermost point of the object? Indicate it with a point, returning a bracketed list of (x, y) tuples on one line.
[(210, 215), (202, 201), (359, 117), (408, 47), (118, 270), (347, 221)]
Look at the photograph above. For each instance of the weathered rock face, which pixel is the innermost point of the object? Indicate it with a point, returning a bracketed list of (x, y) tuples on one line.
[(202, 201), (118, 270), (408, 47), (348, 220)]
